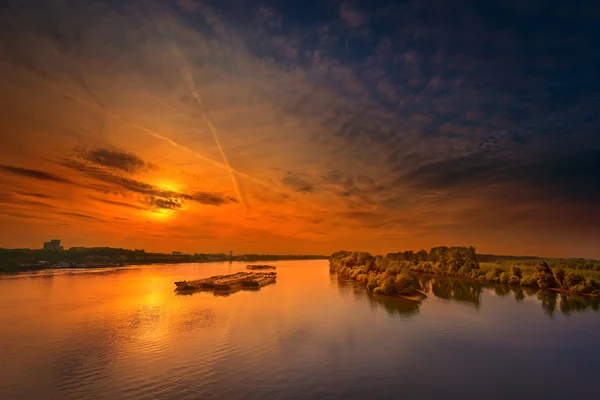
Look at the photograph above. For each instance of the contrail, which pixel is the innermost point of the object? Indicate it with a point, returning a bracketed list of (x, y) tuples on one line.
[(191, 84), (97, 105)]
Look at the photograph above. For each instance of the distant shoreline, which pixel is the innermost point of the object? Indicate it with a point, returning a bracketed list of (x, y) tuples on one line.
[(24, 260)]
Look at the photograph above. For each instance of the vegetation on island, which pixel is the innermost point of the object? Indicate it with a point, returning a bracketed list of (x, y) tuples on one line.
[(394, 274), (582, 264)]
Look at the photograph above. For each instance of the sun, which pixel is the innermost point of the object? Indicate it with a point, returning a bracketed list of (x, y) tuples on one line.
[(168, 186), (160, 215)]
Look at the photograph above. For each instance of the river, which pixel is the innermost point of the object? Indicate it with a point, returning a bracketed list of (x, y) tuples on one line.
[(124, 334)]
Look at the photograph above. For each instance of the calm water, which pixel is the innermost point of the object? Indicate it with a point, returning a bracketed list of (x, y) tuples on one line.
[(124, 334)]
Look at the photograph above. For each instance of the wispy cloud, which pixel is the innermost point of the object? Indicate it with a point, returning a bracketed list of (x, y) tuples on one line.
[(350, 14), (37, 195), (118, 203), (391, 117), (33, 174), (78, 215), (159, 197), (298, 183), (115, 159)]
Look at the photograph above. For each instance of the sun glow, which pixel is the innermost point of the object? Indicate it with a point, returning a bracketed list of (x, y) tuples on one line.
[(160, 215), (168, 186)]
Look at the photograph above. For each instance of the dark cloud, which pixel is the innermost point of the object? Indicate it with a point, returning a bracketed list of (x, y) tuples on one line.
[(33, 203), (37, 195), (118, 181), (379, 220), (121, 184), (164, 204), (560, 175), (455, 173), (574, 176), (350, 15), (33, 174), (115, 159), (118, 203), (78, 215), (298, 183), (9, 199), (213, 199), (21, 215)]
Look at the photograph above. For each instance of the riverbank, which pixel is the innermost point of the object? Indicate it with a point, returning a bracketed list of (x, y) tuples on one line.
[(63, 260)]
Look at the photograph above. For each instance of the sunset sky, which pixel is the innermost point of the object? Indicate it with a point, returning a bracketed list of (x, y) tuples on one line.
[(301, 126)]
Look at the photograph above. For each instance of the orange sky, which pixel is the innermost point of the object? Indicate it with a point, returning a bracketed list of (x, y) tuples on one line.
[(147, 133)]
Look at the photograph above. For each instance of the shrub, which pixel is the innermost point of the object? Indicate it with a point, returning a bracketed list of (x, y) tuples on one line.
[(514, 280), (439, 268), (515, 271), (405, 284), (587, 286), (494, 274), (465, 270), (427, 266), (572, 279), (363, 278), (543, 268), (504, 277), (529, 280), (477, 273), (372, 282), (388, 286), (560, 275), (545, 281), (393, 271), (356, 272), (452, 269)]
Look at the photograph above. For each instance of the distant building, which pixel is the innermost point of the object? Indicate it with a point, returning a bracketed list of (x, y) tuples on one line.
[(53, 245)]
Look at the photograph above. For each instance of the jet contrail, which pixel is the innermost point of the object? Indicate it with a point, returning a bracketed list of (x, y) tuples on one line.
[(97, 104), (191, 84), (94, 104)]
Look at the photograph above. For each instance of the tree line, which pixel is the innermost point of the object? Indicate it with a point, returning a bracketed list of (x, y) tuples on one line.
[(394, 273)]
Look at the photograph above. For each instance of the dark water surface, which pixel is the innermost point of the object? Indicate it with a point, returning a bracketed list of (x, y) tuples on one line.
[(124, 334)]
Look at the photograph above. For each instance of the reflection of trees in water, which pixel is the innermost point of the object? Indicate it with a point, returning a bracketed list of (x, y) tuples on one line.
[(346, 286), (549, 301), (570, 303), (394, 305), (501, 290), (519, 294), (470, 292), (552, 301), (566, 303), (457, 289)]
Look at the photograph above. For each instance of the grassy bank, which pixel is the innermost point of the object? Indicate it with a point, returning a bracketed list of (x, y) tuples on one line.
[(394, 274)]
